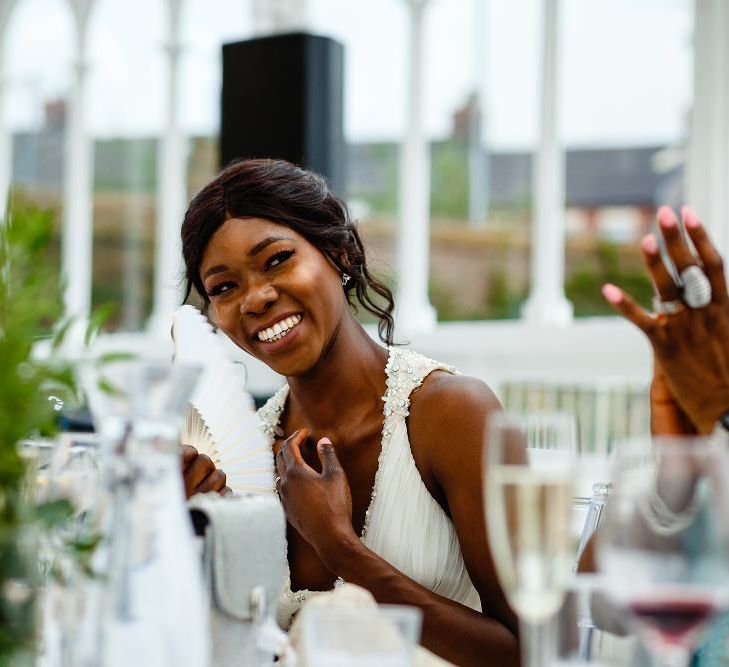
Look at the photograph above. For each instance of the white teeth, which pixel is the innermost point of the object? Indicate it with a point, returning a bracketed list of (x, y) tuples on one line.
[(278, 330)]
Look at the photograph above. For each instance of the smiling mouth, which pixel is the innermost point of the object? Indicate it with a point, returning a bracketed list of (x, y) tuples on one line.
[(278, 330)]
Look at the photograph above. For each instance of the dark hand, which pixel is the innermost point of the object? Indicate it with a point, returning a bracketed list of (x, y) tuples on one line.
[(690, 346), (200, 474), (667, 415), (318, 506)]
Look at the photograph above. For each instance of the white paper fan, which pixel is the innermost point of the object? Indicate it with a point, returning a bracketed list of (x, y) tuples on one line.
[(221, 420)]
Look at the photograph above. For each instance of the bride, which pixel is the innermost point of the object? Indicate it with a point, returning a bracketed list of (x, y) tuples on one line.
[(377, 449)]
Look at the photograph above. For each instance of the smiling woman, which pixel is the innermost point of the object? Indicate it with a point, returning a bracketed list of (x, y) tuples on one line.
[(386, 497)]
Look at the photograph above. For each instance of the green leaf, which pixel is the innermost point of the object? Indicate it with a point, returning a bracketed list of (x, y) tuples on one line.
[(115, 357), (60, 334), (97, 320), (109, 388), (54, 512)]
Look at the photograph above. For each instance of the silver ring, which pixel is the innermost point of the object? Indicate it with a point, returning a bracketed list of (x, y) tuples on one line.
[(276, 481), (667, 307), (696, 287)]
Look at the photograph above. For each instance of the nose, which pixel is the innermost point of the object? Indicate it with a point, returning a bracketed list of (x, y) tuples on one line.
[(259, 298)]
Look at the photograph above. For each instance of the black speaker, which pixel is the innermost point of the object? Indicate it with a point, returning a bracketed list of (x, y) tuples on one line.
[(282, 97)]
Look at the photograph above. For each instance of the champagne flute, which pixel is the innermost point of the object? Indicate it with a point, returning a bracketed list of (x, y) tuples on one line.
[(663, 543), (528, 513)]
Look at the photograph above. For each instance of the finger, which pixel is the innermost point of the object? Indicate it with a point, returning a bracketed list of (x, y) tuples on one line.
[(663, 281), (676, 245), (188, 454), (291, 449), (710, 259), (628, 308), (329, 461), (196, 472), (215, 481)]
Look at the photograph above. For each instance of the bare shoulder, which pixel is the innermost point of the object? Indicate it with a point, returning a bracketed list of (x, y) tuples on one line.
[(448, 415)]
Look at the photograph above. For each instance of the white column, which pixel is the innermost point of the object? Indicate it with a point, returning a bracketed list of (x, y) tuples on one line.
[(414, 312), (171, 191), (547, 304), (77, 241), (277, 16), (478, 157), (6, 139), (707, 177)]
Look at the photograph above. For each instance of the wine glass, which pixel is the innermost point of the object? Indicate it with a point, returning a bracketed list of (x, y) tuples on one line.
[(663, 543), (379, 636), (528, 475)]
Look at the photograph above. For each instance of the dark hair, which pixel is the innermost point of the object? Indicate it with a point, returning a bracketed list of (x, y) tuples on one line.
[(284, 193)]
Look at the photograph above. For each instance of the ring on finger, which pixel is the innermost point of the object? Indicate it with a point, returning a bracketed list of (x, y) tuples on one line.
[(667, 307), (696, 287)]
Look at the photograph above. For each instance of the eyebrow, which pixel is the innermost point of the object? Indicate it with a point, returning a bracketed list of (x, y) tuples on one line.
[(255, 250), (259, 247)]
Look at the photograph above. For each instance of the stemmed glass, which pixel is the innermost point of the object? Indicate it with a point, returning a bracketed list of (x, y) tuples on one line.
[(528, 514), (663, 543)]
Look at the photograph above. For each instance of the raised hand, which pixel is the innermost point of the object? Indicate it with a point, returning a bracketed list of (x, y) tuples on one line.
[(691, 345)]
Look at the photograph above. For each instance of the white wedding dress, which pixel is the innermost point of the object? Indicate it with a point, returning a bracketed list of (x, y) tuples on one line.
[(404, 524)]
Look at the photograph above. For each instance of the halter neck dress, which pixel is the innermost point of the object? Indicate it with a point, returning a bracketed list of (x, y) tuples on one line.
[(403, 523)]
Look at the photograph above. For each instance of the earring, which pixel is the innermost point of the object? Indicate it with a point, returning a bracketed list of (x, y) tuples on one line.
[(345, 279)]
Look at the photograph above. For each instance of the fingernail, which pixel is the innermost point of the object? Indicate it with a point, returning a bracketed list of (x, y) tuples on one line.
[(324, 441), (666, 217), (690, 219), (649, 244), (612, 294)]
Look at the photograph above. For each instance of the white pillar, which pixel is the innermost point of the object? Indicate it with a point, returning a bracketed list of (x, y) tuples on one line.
[(414, 312), (277, 16), (171, 191), (6, 139), (707, 177), (479, 185), (77, 241), (547, 304)]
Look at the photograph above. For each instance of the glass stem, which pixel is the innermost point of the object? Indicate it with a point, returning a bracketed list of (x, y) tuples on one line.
[(536, 642), (675, 657)]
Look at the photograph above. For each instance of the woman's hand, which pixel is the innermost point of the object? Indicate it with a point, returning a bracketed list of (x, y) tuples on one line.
[(200, 474), (318, 506), (667, 415), (691, 346)]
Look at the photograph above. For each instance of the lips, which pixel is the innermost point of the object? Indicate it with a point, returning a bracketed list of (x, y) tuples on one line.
[(279, 329)]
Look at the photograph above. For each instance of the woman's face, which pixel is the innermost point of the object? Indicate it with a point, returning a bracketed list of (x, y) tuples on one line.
[(273, 293)]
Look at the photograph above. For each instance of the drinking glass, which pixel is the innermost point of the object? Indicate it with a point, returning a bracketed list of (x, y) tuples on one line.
[(528, 515), (381, 636), (663, 544)]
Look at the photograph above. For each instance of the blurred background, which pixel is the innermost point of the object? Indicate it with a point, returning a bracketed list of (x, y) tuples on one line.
[(111, 116)]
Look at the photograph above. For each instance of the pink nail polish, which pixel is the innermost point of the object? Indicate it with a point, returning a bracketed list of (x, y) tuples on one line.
[(649, 244), (612, 294), (325, 441), (666, 217), (690, 219)]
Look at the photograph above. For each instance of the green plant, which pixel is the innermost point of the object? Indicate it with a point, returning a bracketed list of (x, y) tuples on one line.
[(30, 308)]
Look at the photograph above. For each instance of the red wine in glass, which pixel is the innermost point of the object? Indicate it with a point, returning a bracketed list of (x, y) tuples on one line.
[(675, 619)]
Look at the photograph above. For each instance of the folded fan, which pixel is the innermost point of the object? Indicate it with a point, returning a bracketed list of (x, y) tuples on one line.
[(221, 420)]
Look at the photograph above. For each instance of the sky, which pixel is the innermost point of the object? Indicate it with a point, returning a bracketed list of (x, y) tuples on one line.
[(626, 65)]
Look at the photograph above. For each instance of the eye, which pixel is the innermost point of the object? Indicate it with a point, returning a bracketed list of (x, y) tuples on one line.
[(279, 258), (220, 288)]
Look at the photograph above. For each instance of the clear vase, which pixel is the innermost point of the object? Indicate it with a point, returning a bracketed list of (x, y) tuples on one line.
[(155, 608)]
